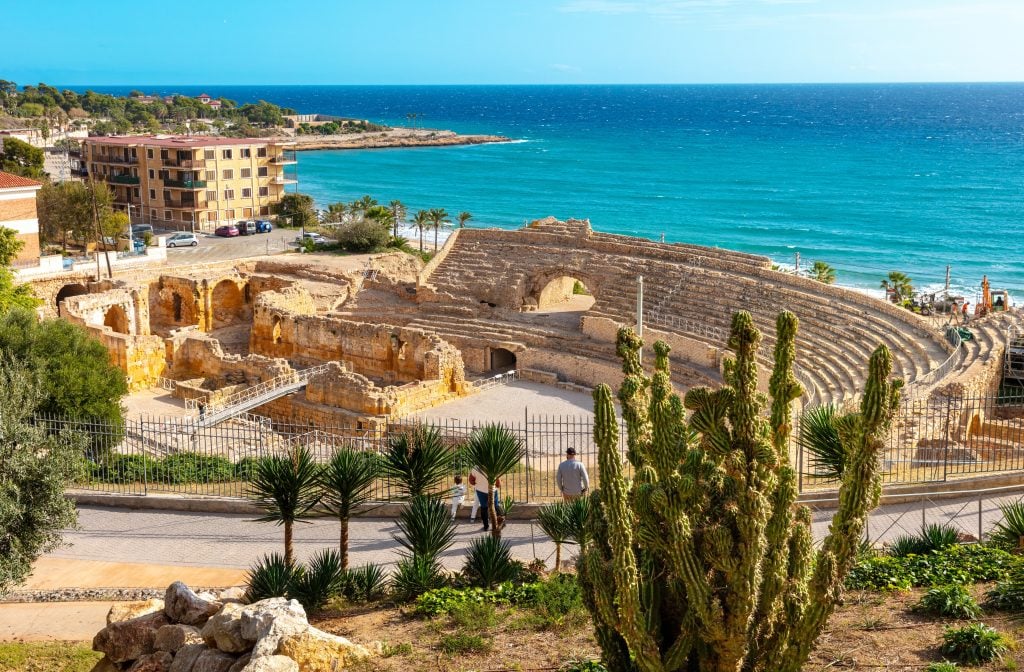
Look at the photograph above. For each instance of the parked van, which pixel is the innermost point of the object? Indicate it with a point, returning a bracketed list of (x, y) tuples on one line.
[(247, 228)]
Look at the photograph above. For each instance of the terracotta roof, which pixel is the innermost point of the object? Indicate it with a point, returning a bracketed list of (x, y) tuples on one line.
[(9, 181), (175, 141)]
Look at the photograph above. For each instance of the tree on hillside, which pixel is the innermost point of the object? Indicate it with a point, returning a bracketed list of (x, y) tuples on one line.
[(297, 209), (699, 557), (463, 218), (12, 295), (21, 158), (35, 468), (822, 272), (398, 212), (66, 209), (76, 377), (438, 220)]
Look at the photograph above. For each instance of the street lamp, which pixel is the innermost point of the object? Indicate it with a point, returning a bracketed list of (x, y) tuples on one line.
[(131, 240)]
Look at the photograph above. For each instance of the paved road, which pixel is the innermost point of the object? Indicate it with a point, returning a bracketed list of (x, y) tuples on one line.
[(213, 248)]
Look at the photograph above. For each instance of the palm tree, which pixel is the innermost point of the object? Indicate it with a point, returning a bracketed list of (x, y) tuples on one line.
[(420, 220), (495, 450), (554, 520), (359, 206), (438, 218), (347, 482), (418, 460), (822, 272), (463, 218), (335, 212), (899, 284), (287, 489), (398, 211), (819, 438)]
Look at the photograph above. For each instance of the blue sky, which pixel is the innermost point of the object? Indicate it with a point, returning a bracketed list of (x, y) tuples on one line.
[(510, 41)]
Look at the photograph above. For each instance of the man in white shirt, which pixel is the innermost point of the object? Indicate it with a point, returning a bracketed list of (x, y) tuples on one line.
[(480, 485)]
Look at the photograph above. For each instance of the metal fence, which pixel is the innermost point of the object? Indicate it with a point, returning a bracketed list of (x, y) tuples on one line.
[(929, 442)]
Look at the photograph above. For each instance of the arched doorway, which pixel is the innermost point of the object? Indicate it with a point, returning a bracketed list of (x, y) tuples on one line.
[(502, 359), (117, 320), (227, 304), (563, 294), (74, 289)]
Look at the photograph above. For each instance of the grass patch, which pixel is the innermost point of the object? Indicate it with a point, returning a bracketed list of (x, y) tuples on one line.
[(47, 657), (461, 643)]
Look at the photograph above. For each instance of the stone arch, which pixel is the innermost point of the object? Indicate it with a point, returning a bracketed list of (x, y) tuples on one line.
[(227, 302), (72, 289), (555, 288), (275, 331), (502, 359), (117, 319)]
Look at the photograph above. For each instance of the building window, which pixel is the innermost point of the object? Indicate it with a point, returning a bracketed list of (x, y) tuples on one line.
[(167, 196), (164, 175), (245, 153), (152, 214), (261, 152), (229, 214), (151, 174), (186, 217), (264, 209), (167, 215), (163, 155), (261, 171), (264, 191), (229, 194), (210, 154), (246, 193), (152, 195), (149, 155), (211, 195), (225, 154), (211, 175), (213, 216), (228, 174), (136, 192), (246, 172)]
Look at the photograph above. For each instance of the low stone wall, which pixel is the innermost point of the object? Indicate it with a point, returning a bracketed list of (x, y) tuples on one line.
[(202, 357)]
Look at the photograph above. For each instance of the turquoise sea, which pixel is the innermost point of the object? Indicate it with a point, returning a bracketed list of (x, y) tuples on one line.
[(869, 178)]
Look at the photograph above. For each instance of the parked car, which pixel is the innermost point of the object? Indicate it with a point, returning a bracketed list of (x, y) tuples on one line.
[(226, 231), (315, 237), (247, 228), (263, 226), (183, 239), (140, 230)]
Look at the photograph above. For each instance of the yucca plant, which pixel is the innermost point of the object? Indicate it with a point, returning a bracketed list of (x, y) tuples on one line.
[(974, 644), (415, 575), (426, 526), (1008, 594), (1008, 534), (495, 450), (489, 562), (320, 580), (287, 489), (418, 461), (932, 537), (554, 520), (347, 482), (270, 577), (953, 601), (819, 439), (578, 513), (366, 583)]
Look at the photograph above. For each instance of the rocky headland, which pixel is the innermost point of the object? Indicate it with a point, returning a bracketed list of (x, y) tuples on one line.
[(391, 138)]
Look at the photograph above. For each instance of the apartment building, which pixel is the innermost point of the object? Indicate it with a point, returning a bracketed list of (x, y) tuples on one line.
[(18, 212), (191, 182)]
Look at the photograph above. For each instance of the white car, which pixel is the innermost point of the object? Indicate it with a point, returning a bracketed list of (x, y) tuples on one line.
[(183, 240), (315, 237)]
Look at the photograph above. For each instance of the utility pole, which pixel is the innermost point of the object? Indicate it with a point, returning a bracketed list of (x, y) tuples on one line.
[(640, 312), (796, 265), (947, 282)]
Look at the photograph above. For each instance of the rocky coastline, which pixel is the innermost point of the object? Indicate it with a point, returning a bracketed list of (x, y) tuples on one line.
[(391, 138)]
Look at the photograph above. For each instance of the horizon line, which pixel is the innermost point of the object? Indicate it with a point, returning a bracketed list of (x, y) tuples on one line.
[(565, 84)]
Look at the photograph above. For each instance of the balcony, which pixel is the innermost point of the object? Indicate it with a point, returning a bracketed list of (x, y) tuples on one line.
[(284, 180), (286, 159), (123, 179), (183, 205), (120, 160), (188, 164), (185, 184)]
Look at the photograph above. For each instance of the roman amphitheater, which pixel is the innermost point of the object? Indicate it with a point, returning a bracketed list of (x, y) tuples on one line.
[(296, 339)]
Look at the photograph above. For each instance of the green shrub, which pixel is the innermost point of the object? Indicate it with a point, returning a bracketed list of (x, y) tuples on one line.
[(443, 600), (559, 600), (953, 601), (401, 649), (415, 575), (1008, 594), (365, 584), (464, 643), (974, 644), (189, 467), (245, 468), (270, 577), (313, 585), (365, 235), (959, 564), (932, 537), (489, 562), (474, 616), (583, 666), (944, 666), (1008, 533), (124, 469)]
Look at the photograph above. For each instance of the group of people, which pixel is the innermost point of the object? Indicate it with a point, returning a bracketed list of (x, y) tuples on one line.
[(571, 478)]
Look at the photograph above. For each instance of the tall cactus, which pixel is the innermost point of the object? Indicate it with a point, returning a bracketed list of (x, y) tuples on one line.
[(702, 562)]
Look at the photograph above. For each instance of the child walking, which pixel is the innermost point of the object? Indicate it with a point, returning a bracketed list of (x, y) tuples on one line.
[(458, 492)]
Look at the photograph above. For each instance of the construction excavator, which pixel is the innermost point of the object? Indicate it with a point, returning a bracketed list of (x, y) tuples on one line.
[(987, 305)]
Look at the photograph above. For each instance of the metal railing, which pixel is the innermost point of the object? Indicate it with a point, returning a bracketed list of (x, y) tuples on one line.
[(952, 362), (495, 381), (217, 410)]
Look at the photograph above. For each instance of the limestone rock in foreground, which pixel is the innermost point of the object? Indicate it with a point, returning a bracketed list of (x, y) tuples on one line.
[(152, 662), (267, 621), (129, 640), (186, 657), (240, 663), (122, 611), (213, 661), (173, 637), (224, 630), (271, 664), (315, 650), (104, 665), (183, 605)]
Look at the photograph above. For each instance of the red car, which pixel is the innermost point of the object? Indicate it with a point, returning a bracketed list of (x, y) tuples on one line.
[(226, 231)]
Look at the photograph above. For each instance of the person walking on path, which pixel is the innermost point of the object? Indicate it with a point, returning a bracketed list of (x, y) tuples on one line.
[(571, 477), (480, 485)]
